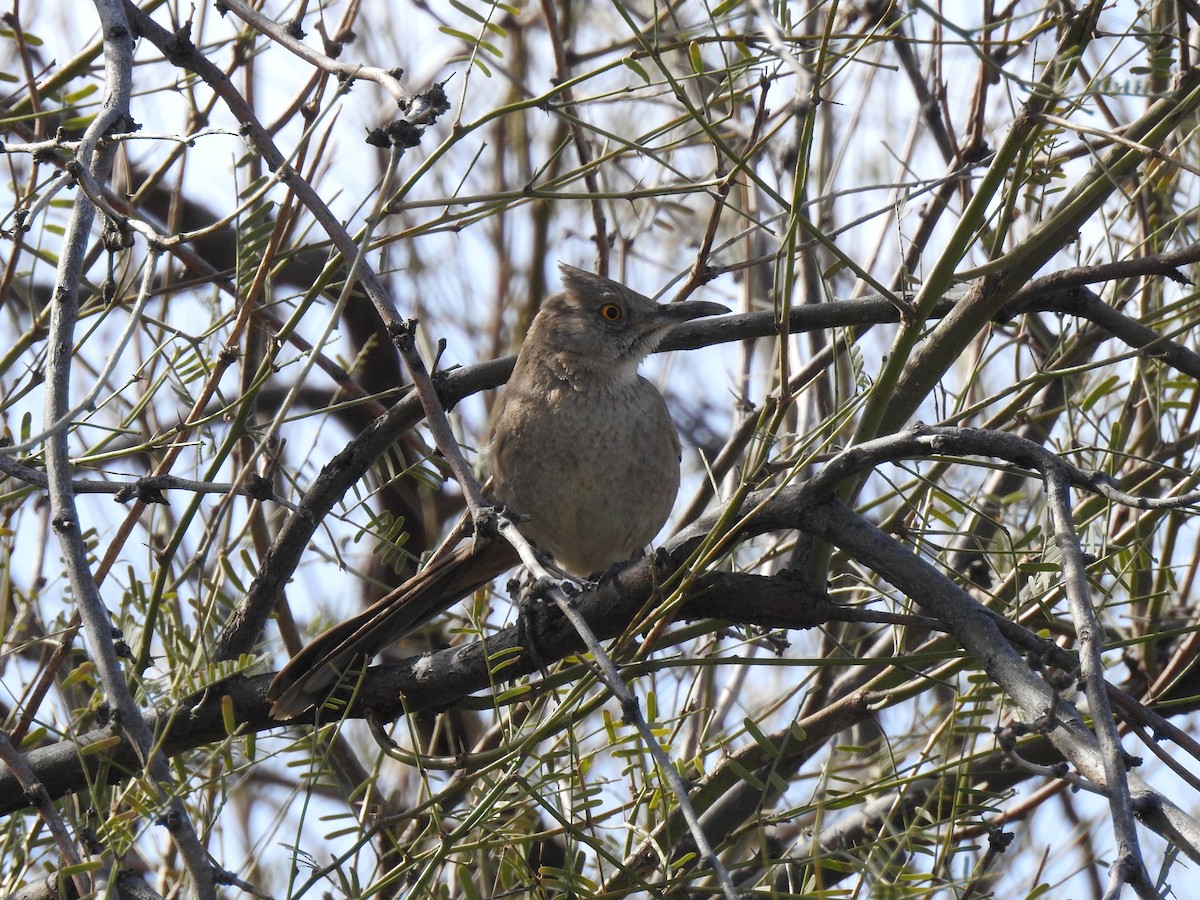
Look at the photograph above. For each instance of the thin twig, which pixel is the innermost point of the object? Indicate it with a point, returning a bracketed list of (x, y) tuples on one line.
[(562, 74), (1090, 635), (149, 488), (86, 404), (36, 792), (97, 157), (288, 39), (551, 586)]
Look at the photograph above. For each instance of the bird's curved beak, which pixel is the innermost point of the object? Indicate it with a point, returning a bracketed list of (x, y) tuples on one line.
[(690, 309)]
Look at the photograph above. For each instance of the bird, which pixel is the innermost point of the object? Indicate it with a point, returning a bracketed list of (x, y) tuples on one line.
[(582, 448)]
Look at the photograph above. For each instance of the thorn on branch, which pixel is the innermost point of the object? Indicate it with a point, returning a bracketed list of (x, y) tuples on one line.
[(630, 709), (435, 100), (999, 840), (125, 124), (1143, 804), (180, 48), (117, 235), (403, 335), (487, 522), (259, 488), (541, 587), (341, 39), (146, 490), (400, 133)]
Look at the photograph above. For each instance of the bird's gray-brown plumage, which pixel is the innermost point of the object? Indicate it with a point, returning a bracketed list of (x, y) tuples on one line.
[(582, 447)]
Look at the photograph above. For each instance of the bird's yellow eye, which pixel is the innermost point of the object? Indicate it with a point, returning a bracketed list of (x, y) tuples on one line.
[(611, 312)]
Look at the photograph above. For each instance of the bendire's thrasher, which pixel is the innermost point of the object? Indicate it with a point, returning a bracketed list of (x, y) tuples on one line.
[(583, 448)]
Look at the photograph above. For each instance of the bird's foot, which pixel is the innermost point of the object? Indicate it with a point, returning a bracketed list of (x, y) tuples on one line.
[(531, 619)]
